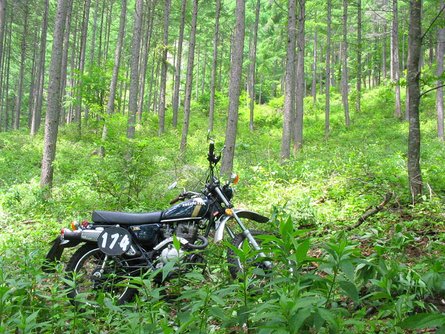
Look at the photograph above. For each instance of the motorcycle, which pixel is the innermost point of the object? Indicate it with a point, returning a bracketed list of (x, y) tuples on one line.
[(117, 245)]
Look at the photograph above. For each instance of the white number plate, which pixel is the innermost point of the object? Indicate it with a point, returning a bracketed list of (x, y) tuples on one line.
[(114, 241)]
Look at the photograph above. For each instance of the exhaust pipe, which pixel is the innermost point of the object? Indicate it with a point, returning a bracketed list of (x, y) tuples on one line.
[(77, 235)]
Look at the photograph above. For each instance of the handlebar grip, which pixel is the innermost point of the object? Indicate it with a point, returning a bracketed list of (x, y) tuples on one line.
[(174, 200), (211, 148)]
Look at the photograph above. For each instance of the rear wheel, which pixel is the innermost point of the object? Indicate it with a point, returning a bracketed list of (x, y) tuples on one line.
[(96, 275)]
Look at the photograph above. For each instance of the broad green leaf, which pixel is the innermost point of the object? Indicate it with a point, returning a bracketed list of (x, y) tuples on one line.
[(422, 320), (351, 290)]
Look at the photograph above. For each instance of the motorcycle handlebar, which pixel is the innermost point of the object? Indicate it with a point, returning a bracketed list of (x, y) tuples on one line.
[(176, 199)]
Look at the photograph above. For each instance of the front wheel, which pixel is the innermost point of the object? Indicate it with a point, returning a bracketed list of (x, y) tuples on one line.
[(96, 275), (235, 264)]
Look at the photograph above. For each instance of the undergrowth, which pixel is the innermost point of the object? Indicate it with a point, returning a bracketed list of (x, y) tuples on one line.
[(385, 276)]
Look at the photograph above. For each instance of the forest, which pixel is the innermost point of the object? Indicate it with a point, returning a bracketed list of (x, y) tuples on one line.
[(331, 112)]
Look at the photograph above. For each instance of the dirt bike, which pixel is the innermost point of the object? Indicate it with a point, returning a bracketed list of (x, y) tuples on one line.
[(116, 246)]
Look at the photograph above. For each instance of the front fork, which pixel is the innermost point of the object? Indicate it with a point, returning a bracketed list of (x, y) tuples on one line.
[(245, 230)]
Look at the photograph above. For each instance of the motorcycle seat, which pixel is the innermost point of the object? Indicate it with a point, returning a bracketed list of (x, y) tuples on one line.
[(124, 218)]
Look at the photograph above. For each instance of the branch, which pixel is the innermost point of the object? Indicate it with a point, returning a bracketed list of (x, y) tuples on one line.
[(428, 29), (431, 89), (370, 213)]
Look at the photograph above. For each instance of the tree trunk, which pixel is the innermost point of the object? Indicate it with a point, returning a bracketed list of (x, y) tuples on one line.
[(234, 87), (301, 87), (189, 79), (144, 63), (54, 97), (328, 71), (18, 104), (344, 72), (116, 66), (395, 58), (214, 66), (289, 90), (37, 105), (314, 68), (253, 65), (176, 95), (359, 56), (2, 56), (439, 72), (83, 46), (163, 82), (413, 77), (134, 73), (66, 39)]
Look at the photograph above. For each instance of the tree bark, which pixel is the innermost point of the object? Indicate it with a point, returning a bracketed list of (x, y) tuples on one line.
[(163, 82), (18, 104), (144, 63), (37, 105), (3, 4), (54, 97), (314, 68), (253, 64), (289, 90), (395, 59), (214, 66), (134, 73), (301, 87), (234, 87), (83, 46), (344, 72), (439, 83), (328, 71), (176, 95), (359, 56), (189, 79), (116, 66), (413, 77)]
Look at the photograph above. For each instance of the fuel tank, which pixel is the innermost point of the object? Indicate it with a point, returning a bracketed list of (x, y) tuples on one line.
[(194, 208)]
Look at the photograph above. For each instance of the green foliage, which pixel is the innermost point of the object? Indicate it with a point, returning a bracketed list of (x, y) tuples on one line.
[(376, 278)]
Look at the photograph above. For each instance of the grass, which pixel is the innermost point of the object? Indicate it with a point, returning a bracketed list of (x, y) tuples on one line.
[(370, 279)]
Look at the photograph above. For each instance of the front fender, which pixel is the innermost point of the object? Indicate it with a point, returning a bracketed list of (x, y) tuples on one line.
[(241, 213)]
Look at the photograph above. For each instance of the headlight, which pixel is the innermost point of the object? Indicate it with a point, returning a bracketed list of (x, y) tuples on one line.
[(228, 192)]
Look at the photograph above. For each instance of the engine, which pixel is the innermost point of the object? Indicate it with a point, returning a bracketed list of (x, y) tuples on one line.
[(187, 234)]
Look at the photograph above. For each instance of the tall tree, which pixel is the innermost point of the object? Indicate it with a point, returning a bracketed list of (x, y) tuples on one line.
[(116, 66), (2, 34), (37, 105), (146, 53), (134, 73), (54, 96), (289, 89), (413, 78), (83, 46), (344, 72), (189, 79), (328, 71), (253, 64), (439, 72), (359, 55), (234, 86), (164, 67), (18, 104), (301, 84), (395, 68), (314, 67), (214, 66), (176, 96)]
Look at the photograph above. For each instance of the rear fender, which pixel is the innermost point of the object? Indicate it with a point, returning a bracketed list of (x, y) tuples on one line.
[(55, 253), (221, 222)]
